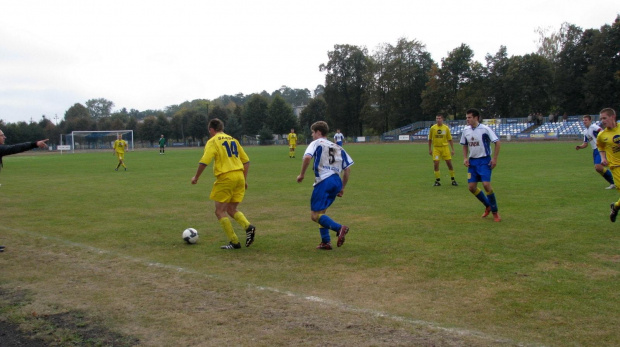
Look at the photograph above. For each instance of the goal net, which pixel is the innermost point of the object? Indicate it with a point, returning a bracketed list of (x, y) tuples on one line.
[(91, 140)]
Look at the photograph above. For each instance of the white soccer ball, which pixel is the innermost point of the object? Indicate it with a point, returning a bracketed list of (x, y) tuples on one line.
[(190, 235)]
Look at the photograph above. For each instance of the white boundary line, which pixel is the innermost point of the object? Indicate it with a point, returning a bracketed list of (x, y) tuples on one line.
[(331, 303)]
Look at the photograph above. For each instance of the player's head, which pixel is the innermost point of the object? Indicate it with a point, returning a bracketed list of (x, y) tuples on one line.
[(609, 112), (320, 127), (608, 117), (216, 124), (292, 130), (439, 119), (162, 136), (119, 136), (587, 120), (2, 137), (472, 116)]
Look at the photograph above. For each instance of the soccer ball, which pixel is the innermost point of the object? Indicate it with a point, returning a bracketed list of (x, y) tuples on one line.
[(190, 235)]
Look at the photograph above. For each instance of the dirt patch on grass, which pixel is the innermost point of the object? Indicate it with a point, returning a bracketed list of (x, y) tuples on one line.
[(78, 296), (61, 329)]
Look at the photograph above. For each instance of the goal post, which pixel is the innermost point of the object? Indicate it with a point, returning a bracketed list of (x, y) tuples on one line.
[(97, 139)]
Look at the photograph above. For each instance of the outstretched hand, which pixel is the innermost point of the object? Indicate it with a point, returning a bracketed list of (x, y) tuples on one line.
[(42, 143)]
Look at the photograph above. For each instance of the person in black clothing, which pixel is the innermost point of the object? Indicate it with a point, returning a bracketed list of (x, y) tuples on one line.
[(18, 148)]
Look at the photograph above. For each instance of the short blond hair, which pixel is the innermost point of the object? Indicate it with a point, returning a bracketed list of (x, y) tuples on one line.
[(608, 111)]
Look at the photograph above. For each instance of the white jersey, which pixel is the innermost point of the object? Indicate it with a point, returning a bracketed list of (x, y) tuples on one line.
[(589, 135), (338, 137), (329, 159), (479, 140)]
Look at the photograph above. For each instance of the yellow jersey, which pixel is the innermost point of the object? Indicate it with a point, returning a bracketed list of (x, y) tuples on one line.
[(119, 146), (608, 141), (227, 152), (440, 135), (292, 139)]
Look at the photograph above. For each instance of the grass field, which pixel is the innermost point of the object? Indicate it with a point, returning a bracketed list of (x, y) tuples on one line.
[(419, 267)]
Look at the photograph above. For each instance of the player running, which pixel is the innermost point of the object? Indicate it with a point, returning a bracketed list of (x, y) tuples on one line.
[(609, 148), (330, 160), (231, 165), (589, 136)]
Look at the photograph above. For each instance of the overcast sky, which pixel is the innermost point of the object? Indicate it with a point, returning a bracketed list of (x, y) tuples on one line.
[(151, 54)]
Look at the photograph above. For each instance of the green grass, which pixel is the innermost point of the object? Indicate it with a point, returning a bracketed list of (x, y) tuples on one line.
[(547, 274)]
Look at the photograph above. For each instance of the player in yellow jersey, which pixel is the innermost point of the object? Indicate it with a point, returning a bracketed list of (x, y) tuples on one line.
[(292, 143), (231, 165), (608, 144), (439, 138), (120, 146)]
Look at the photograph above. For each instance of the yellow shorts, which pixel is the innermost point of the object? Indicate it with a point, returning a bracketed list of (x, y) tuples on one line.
[(120, 156), (442, 152), (229, 187), (615, 172), (292, 146)]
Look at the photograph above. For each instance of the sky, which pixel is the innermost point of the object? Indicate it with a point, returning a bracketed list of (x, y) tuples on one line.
[(152, 54)]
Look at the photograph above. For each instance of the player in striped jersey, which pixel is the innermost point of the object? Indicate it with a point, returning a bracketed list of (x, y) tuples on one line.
[(480, 160), (608, 143), (589, 136), (330, 160)]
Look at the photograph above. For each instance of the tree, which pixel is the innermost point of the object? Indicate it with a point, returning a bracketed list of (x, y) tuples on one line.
[(163, 125), (454, 75), (147, 131), (76, 111), (347, 87), (99, 108), (435, 95), (314, 112), (255, 115), (498, 98), (220, 113), (529, 84), (401, 74), (601, 86), (280, 117), (198, 127)]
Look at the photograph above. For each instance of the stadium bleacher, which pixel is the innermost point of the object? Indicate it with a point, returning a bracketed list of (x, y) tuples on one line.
[(572, 127)]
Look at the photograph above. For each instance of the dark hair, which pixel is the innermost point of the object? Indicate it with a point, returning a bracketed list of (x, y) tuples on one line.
[(216, 124), (474, 112), (321, 127), (588, 116), (440, 115)]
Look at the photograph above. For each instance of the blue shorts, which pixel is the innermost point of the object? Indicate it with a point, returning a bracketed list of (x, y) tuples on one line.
[(596, 156), (339, 143), (479, 170), (325, 193)]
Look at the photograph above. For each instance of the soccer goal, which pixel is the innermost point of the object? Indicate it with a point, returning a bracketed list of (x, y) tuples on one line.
[(91, 140)]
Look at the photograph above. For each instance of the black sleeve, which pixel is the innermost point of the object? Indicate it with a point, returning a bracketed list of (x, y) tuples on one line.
[(18, 148)]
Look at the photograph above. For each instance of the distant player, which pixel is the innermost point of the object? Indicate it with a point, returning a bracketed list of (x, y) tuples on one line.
[(292, 143), (476, 140), (589, 136), (609, 147), (330, 160), (231, 165), (120, 146), (438, 139), (338, 138), (162, 145)]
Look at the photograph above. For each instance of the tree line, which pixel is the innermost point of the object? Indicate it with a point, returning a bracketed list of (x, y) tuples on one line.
[(573, 71)]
